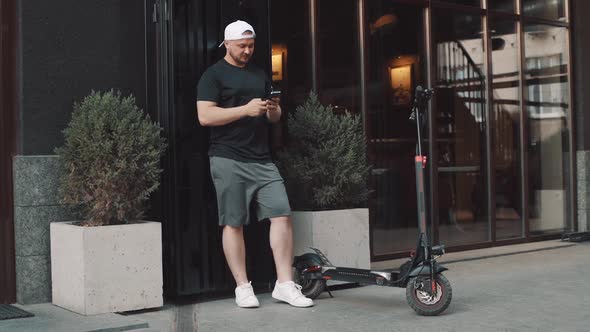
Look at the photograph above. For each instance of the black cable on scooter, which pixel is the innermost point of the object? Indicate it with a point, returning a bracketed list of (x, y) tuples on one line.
[(421, 97)]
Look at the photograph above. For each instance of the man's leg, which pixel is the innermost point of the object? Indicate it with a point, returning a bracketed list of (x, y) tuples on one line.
[(235, 252), (232, 205), (273, 204), (281, 242)]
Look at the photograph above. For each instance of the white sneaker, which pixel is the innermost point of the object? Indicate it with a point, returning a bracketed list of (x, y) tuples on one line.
[(290, 292), (245, 297)]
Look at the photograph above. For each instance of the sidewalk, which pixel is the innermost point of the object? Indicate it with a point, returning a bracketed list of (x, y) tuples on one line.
[(540, 290), (52, 318), (543, 290)]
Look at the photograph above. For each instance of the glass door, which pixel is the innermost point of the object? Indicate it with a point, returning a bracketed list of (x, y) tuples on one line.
[(460, 126), (506, 112), (547, 104), (396, 64)]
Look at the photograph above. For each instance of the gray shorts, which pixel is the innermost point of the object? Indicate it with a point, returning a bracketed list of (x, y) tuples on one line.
[(238, 183)]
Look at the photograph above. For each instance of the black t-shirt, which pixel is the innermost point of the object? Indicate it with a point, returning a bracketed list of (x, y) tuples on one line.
[(246, 139)]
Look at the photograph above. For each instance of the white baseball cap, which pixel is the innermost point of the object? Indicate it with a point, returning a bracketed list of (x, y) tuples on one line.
[(235, 31)]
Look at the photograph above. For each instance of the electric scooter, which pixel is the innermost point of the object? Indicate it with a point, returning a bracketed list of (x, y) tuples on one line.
[(428, 292)]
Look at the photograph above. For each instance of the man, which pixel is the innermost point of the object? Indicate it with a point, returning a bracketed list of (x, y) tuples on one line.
[(231, 100)]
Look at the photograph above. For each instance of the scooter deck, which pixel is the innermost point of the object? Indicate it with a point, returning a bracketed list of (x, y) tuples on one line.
[(576, 237), (370, 277)]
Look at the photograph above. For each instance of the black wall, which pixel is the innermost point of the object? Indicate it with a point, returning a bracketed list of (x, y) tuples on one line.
[(72, 47), (581, 79), (184, 45), (69, 48), (8, 106)]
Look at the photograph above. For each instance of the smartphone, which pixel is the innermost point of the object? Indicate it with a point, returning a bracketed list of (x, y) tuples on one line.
[(274, 94)]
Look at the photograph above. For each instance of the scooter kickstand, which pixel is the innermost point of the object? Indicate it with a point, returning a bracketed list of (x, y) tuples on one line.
[(329, 292)]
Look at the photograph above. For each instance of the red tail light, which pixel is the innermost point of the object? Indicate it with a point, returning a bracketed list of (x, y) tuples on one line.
[(314, 268)]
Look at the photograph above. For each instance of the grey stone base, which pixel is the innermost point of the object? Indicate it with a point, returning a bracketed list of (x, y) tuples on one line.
[(36, 205), (583, 190), (33, 279)]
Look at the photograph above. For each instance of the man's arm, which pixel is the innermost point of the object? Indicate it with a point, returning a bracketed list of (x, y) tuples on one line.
[(210, 114)]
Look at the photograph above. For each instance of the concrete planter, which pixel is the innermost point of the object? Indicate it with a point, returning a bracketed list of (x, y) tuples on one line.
[(103, 269), (342, 235)]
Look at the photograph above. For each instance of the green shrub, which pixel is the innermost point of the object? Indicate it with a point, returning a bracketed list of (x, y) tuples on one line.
[(324, 162), (111, 157)]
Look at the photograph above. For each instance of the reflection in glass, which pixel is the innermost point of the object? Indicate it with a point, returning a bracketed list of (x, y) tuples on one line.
[(547, 102), (338, 60), (549, 9), (501, 5), (395, 65), (460, 126), (290, 59), (506, 114), (475, 3)]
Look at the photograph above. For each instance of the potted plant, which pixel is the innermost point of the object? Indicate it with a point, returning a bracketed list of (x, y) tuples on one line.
[(325, 169), (110, 260)]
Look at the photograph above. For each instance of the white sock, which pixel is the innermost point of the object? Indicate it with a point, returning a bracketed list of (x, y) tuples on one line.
[(244, 284)]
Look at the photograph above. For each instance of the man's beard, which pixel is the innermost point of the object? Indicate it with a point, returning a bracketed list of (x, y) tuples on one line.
[(238, 59)]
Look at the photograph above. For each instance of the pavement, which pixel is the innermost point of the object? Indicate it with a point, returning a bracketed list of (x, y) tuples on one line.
[(528, 287)]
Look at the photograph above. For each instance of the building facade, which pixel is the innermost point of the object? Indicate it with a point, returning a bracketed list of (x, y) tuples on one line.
[(506, 142)]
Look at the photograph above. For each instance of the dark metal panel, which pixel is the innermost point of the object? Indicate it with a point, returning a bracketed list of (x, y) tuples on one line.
[(523, 126), (490, 157), (8, 132), (314, 43), (184, 42), (432, 135), (362, 62), (571, 194), (572, 223), (579, 50)]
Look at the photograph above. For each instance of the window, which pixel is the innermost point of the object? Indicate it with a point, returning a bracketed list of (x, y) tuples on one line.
[(501, 5), (548, 9), (546, 99), (460, 112), (547, 102), (338, 58), (506, 112)]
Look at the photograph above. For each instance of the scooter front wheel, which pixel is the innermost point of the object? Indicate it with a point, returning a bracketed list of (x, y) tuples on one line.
[(425, 303)]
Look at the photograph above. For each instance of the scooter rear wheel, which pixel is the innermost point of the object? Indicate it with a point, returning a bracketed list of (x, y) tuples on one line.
[(422, 302), (311, 288)]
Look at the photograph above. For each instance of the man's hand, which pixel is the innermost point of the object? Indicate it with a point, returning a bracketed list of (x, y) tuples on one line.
[(273, 110), (256, 107)]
